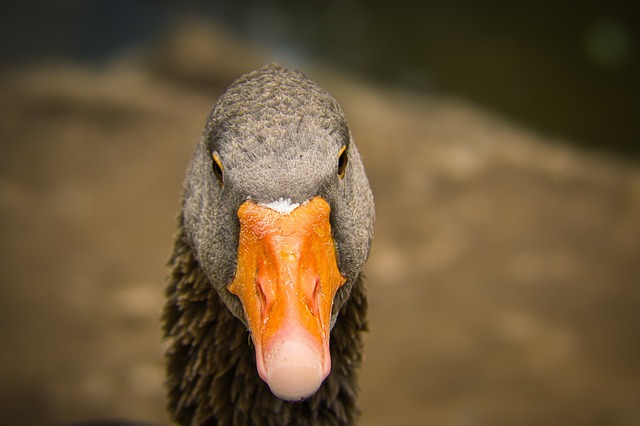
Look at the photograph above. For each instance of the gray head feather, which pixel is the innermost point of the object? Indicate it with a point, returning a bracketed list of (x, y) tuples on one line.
[(277, 135)]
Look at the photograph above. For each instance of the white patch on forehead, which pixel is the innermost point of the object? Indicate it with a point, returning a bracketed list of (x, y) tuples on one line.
[(282, 206)]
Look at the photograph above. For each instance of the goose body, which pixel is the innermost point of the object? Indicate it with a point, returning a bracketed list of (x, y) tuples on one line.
[(265, 303)]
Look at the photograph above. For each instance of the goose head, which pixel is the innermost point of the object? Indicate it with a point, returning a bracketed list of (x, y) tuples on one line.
[(279, 214)]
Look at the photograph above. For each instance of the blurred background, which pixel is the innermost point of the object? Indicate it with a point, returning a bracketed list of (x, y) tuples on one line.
[(501, 141)]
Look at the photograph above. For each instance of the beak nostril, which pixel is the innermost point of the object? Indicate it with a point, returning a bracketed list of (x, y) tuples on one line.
[(262, 297), (314, 300), (316, 290)]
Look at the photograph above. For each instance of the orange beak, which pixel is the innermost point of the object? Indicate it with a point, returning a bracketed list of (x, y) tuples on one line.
[(286, 278)]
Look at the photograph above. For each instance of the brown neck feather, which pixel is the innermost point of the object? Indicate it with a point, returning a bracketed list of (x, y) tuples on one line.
[(212, 377)]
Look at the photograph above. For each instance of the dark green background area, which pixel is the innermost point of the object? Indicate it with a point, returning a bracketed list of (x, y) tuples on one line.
[(569, 70)]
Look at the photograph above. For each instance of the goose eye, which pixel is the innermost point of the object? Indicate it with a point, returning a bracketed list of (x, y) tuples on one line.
[(217, 167), (342, 162)]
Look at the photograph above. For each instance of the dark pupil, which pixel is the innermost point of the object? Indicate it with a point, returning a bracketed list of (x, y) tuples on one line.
[(342, 162), (217, 170)]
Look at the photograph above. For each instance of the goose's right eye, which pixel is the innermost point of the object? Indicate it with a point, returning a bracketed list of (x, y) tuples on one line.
[(217, 167)]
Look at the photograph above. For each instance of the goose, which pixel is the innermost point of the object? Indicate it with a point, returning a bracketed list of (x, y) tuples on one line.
[(265, 302)]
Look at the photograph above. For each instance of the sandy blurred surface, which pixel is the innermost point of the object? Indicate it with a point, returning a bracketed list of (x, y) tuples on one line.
[(504, 278)]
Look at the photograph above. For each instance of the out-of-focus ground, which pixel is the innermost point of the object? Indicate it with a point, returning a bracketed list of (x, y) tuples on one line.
[(504, 281)]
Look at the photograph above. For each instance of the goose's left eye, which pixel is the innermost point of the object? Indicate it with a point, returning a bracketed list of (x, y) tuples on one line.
[(342, 162)]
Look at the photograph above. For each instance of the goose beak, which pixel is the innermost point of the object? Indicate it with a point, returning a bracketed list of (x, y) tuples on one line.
[(286, 278)]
